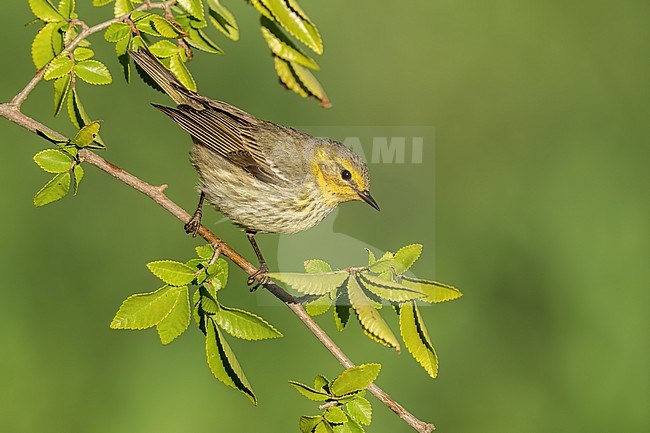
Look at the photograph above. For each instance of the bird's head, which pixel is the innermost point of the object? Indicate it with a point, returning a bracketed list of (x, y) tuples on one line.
[(341, 174)]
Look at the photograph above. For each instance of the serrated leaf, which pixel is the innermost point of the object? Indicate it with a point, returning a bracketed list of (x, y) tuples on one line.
[(45, 11), (83, 53), (99, 3), (245, 325), (79, 118), (309, 392), (388, 290), (164, 27), (320, 383), (121, 49), (350, 427), (199, 40), (66, 8), (86, 135), (223, 363), (360, 410), (287, 77), (54, 190), (122, 7), (313, 86), (178, 319), (78, 172), (335, 415), (307, 424), (384, 264), (314, 266), (355, 379), (61, 89), (282, 46), (193, 7), (318, 306), (296, 22), (181, 72), (53, 161), (116, 32), (312, 284), (323, 427), (205, 252), (163, 49), (42, 49), (171, 272), (223, 19), (371, 257), (369, 318), (434, 292), (416, 338), (93, 72), (406, 256), (145, 310)]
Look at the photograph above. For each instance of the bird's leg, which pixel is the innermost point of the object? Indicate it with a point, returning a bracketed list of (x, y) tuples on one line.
[(194, 223), (263, 269)]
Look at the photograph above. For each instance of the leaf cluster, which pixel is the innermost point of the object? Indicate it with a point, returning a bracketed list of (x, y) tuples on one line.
[(366, 290), (345, 408), (169, 309)]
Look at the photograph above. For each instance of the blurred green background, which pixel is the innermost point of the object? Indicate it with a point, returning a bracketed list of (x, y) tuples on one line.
[(539, 214)]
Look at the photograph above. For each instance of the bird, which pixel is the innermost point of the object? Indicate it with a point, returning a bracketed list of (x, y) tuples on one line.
[(265, 177)]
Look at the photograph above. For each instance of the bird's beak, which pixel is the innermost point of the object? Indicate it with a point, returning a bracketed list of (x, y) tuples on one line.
[(365, 196)]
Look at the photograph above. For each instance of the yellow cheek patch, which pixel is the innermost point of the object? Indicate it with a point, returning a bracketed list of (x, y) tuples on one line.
[(333, 189), (357, 178)]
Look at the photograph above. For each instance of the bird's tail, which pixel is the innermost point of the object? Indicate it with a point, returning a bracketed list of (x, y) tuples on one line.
[(161, 76)]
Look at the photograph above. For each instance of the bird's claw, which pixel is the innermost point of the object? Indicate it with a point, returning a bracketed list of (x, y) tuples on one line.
[(259, 278), (193, 225)]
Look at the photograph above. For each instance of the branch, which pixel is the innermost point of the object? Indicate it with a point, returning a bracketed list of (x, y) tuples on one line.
[(11, 111)]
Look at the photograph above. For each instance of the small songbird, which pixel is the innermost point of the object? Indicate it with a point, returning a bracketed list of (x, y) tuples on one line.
[(265, 177)]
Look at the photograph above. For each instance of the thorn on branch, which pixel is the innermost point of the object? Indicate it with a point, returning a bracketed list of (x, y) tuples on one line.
[(162, 188)]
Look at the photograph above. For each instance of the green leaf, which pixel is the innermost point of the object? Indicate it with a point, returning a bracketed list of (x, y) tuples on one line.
[(416, 338), (341, 309), (205, 252), (351, 427), (199, 40), (360, 410), (145, 310), (59, 67), (318, 306), (178, 319), (54, 190), (223, 19), (282, 46), (388, 290), (53, 161), (66, 8), (307, 424), (406, 256), (315, 266), (434, 292), (181, 72), (78, 172), (193, 7), (324, 427), (122, 7), (355, 379), (61, 89), (93, 72), (86, 135), (99, 3), (45, 11), (309, 392), (371, 321), (164, 49), (312, 284), (313, 86), (83, 53), (121, 49), (245, 325), (164, 27), (220, 270), (287, 77), (335, 415), (296, 22), (320, 383), (385, 264), (116, 32), (223, 363), (171, 272), (42, 49), (371, 257)]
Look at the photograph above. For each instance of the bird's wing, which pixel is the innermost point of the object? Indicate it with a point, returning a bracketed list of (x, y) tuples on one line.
[(229, 133)]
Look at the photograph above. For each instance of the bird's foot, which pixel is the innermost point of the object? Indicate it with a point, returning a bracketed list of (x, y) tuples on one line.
[(193, 225), (259, 278)]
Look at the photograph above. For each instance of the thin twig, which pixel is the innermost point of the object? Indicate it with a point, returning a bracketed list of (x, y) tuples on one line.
[(11, 111)]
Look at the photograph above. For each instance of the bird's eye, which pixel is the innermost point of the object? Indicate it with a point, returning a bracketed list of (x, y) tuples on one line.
[(346, 175)]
